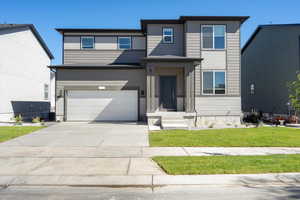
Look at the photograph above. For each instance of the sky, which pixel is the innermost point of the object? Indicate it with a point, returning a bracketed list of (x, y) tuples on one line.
[(47, 15)]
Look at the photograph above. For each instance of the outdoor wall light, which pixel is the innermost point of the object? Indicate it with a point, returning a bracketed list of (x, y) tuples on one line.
[(101, 88)]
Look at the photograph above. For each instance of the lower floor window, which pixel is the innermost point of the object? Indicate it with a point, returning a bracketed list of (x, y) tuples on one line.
[(213, 82)]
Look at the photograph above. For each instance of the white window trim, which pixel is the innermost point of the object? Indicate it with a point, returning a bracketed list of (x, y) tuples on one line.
[(172, 36), (81, 46), (225, 36), (214, 94), (130, 38)]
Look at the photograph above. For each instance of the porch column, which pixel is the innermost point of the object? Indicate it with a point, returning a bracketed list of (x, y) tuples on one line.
[(189, 72), (150, 88)]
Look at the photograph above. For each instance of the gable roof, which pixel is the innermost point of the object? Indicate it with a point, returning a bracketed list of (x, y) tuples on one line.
[(260, 27), (35, 33)]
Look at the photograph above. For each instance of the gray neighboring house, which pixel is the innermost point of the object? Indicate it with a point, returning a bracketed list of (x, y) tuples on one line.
[(178, 73), (270, 58)]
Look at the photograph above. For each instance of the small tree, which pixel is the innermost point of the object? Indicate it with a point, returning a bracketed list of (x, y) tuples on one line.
[(294, 96)]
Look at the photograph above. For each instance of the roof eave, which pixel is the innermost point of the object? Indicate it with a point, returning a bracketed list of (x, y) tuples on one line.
[(251, 38), (77, 30), (36, 34), (242, 19)]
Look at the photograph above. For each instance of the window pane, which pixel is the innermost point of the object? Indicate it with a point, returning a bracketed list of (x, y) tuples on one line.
[(168, 38), (207, 37), (87, 43), (208, 82), (124, 46), (219, 32), (207, 31), (124, 43), (219, 82), (168, 31), (219, 42)]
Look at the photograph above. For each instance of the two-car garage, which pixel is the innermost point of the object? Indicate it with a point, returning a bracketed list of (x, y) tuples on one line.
[(101, 105)]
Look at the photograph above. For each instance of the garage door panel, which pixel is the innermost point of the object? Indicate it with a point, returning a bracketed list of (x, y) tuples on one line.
[(102, 105)]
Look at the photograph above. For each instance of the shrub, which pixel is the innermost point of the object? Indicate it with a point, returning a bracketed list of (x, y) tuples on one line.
[(36, 120), (18, 120), (253, 118)]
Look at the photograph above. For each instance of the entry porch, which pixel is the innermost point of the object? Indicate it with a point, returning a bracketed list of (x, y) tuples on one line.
[(170, 93)]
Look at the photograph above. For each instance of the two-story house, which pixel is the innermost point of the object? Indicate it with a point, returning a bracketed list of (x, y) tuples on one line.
[(270, 59), (174, 73)]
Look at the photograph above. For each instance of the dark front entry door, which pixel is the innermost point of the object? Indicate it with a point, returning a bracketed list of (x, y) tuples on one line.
[(167, 92)]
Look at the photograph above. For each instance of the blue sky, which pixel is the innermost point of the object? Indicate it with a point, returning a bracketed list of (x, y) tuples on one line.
[(49, 14)]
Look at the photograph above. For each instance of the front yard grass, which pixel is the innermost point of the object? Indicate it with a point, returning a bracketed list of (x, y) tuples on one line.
[(191, 165), (235, 137), (10, 132)]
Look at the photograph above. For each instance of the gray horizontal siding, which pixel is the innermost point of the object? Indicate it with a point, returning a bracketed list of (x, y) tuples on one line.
[(103, 42), (232, 59), (222, 106), (102, 56), (192, 39)]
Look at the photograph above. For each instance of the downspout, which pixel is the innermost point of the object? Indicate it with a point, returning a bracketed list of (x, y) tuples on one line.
[(196, 118)]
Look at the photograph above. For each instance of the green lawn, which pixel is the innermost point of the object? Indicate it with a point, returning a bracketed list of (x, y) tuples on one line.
[(185, 165), (10, 132), (236, 137)]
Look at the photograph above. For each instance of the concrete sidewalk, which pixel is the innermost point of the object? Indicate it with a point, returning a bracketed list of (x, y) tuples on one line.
[(136, 152), (152, 180)]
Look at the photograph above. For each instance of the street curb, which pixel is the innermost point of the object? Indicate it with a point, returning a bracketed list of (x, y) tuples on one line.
[(151, 180)]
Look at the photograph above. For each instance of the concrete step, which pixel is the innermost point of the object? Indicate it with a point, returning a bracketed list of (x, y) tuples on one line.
[(176, 121), (173, 123), (167, 126)]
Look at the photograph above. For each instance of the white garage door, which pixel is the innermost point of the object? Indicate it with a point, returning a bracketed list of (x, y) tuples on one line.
[(87, 105)]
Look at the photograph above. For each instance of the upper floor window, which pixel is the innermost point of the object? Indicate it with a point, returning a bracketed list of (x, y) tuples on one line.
[(213, 82), (213, 36), (168, 35), (124, 42), (46, 91), (87, 42)]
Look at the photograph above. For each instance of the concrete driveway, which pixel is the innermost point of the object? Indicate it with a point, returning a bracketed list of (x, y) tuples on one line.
[(86, 135), (78, 149)]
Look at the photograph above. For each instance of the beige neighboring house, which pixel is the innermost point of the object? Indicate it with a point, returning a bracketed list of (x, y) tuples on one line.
[(173, 73), (24, 76), (270, 59)]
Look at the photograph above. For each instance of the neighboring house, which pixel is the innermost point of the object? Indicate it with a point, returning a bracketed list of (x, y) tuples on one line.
[(184, 70), (270, 59), (24, 76)]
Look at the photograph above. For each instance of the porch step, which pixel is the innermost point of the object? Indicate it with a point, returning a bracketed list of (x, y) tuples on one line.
[(173, 123)]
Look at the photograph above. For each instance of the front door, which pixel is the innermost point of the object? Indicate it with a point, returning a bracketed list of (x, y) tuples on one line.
[(167, 93)]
